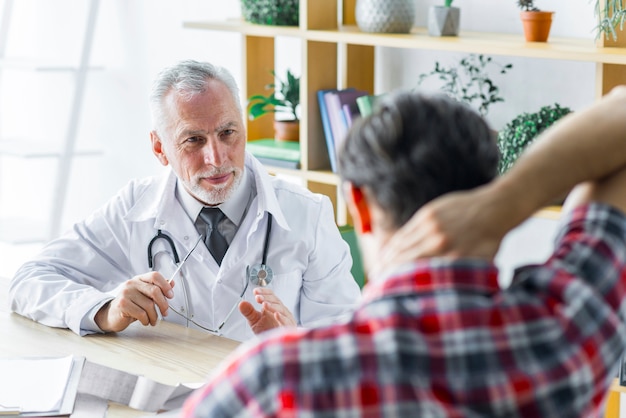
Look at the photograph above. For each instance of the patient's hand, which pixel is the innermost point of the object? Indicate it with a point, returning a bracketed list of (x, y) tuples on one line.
[(455, 225)]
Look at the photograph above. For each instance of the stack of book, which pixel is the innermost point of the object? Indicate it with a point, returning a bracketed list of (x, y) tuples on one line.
[(339, 109), (284, 154)]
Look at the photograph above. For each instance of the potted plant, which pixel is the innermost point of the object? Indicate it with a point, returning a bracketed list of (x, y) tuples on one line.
[(536, 23), (469, 81), (444, 20), (611, 16), (284, 98), (271, 12), (523, 130)]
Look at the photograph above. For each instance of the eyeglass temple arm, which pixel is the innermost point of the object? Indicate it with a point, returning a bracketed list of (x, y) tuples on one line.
[(236, 304)]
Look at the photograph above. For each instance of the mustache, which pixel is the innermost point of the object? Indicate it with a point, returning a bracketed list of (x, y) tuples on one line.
[(215, 172)]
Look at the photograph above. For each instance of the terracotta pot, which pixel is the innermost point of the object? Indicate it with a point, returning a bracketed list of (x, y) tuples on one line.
[(287, 130), (536, 25)]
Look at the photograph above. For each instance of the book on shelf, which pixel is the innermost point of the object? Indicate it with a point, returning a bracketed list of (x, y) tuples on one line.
[(270, 148), (367, 103), (334, 121), (328, 134), (334, 105), (277, 162), (351, 113)]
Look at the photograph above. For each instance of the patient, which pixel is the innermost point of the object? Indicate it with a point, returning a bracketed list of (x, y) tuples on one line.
[(435, 335)]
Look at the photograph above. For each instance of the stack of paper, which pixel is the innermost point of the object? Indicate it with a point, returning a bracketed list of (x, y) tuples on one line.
[(39, 386)]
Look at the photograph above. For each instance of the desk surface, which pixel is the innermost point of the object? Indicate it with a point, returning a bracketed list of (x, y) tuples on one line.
[(167, 353)]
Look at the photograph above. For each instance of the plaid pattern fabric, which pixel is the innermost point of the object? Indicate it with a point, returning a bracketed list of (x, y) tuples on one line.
[(440, 339)]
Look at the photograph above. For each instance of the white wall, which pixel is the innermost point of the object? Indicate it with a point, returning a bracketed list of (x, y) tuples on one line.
[(135, 38)]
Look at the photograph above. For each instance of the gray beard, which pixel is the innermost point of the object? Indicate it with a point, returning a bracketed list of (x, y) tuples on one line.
[(219, 194)]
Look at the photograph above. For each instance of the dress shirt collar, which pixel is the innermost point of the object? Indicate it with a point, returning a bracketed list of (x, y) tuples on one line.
[(434, 275)]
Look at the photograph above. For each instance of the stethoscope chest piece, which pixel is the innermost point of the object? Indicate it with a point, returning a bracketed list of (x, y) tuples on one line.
[(260, 275)]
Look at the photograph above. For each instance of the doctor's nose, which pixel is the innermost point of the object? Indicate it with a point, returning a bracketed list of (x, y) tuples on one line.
[(214, 153)]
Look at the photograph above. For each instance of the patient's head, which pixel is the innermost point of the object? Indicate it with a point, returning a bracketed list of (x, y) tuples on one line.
[(414, 148)]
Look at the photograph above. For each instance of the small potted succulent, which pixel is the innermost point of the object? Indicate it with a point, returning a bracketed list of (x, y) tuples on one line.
[(444, 20), (536, 23), (284, 99)]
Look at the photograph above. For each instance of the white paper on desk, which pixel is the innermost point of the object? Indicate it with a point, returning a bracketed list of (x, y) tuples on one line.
[(138, 392), (154, 396), (34, 384)]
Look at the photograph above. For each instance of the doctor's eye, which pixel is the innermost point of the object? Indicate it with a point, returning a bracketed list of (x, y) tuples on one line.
[(227, 133), (195, 139)]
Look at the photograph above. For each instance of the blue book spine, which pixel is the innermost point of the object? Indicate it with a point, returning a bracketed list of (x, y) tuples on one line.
[(328, 133)]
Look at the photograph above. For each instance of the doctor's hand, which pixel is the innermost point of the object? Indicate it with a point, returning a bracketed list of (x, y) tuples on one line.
[(273, 313), (137, 300)]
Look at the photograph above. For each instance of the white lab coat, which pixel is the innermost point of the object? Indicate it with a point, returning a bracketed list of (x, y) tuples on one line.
[(76, 274)]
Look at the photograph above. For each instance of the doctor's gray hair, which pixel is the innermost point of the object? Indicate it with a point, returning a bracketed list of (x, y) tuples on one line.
[(187, 78)]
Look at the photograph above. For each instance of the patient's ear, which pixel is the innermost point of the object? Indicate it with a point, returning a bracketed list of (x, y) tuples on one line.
[(157, 148), (359, 209)]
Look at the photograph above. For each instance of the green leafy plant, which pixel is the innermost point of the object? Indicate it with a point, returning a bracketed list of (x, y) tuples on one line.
[(448, 3), (469, 81), (271, 12), (285, 97), (611, 15), (527, 5), (523, 130)]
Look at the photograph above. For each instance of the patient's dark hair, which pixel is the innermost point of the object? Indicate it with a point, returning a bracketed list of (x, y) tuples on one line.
[(416, 147)]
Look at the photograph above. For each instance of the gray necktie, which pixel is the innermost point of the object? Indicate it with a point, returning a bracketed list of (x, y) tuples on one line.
[(214, 240)]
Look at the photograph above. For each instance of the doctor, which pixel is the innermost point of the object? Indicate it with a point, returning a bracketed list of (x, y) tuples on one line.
[(285, 262)]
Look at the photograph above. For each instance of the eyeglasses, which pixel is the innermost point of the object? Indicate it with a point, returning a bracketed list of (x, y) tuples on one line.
[(219, 328), (260, 275)]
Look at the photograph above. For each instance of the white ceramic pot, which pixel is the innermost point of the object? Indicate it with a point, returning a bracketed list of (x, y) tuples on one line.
[(443, 21)]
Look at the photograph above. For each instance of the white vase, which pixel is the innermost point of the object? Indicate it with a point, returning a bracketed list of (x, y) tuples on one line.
[(386, 16), (443, 21)]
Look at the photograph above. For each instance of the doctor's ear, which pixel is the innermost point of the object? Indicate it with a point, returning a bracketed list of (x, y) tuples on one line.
[(157, 148), (358, 207)]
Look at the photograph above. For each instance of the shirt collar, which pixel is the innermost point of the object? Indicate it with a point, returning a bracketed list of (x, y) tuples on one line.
[(234, 208), (434, 275)]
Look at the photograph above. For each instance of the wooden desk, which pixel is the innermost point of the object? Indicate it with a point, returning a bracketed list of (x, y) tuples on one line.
[(167, 353)]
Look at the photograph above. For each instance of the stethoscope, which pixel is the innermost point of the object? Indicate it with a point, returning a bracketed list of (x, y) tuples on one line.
[(258, 274)]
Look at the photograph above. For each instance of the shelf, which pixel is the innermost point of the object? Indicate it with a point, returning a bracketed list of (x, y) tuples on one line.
[(342, 55), (245, 28), (573, 49)]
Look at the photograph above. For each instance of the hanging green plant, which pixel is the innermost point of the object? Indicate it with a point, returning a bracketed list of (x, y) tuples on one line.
[(522, 131), (271, 12), (611, 16)]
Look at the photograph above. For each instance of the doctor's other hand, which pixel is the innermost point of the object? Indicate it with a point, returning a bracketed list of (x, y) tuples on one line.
[(273, 313), (137, 300)]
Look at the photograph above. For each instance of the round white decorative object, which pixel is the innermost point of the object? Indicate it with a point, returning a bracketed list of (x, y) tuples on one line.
[(386, 16)]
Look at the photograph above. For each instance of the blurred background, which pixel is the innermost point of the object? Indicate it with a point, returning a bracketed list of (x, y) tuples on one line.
[(134, 39)]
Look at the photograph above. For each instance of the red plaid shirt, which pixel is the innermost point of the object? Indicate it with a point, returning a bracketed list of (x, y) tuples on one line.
[(441, 339)]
